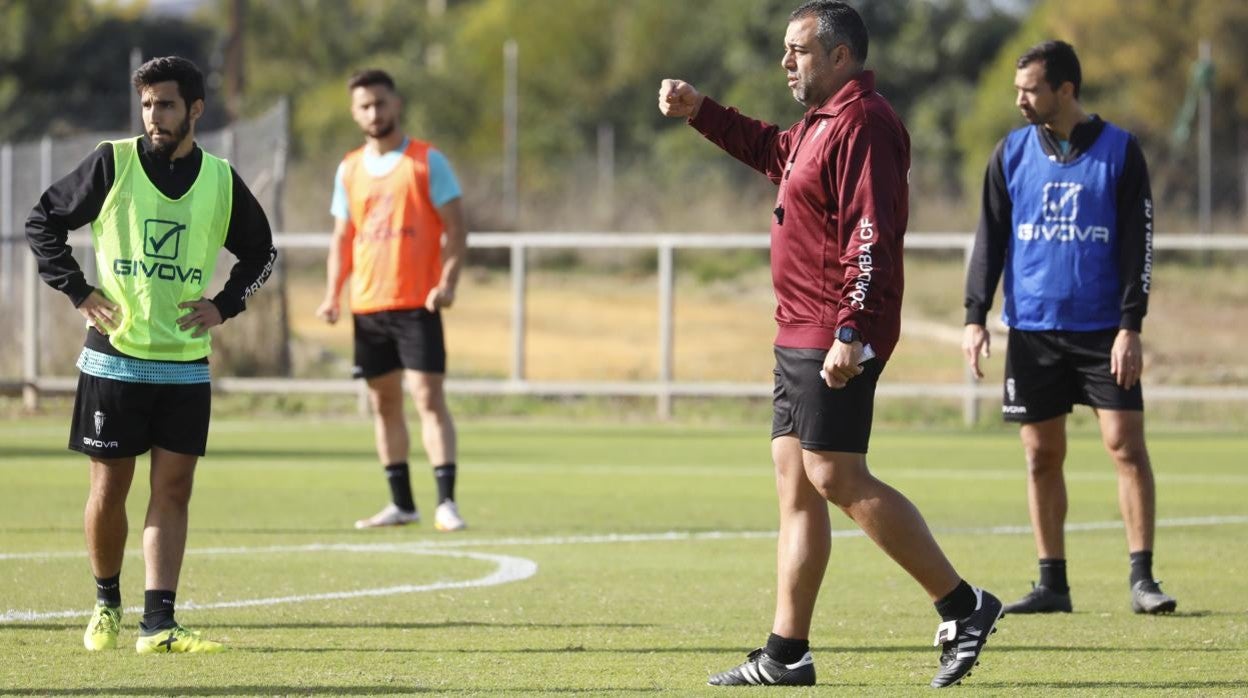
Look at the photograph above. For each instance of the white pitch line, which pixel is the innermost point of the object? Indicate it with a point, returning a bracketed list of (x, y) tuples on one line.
[(604, 538), (510, 569), (1020, 474), (944, 474), (842, 533)]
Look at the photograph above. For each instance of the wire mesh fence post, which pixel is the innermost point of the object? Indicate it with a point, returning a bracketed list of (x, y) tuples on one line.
[(519, 283), (970, 400), (666, 330), (8, 243), (31, 328)]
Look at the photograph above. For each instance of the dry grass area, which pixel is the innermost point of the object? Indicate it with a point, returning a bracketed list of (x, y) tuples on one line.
[(604, 326), (596, 324), (588, 327)]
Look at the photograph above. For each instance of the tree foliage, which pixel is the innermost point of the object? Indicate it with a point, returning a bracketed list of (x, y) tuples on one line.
[(1137, 60), (65, 64), (946, 65)]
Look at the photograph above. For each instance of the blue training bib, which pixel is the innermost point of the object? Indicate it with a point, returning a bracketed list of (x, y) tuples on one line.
[(1061, 269)]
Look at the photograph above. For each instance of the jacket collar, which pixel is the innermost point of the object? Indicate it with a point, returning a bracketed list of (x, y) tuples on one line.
[(858, 87), (1084, 132)]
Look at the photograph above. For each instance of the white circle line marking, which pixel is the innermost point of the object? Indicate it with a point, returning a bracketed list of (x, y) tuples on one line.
[(509, 569), (512, 569)]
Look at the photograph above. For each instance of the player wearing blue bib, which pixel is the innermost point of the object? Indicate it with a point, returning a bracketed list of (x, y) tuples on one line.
[(1067, 215)]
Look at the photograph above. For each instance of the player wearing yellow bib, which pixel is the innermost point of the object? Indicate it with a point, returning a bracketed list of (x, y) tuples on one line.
[(160, 210)]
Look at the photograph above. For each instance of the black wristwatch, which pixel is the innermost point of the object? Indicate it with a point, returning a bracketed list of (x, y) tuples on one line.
[(848, 335)]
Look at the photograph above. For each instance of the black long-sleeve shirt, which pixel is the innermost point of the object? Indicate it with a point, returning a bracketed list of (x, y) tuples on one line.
[(1135, 226), (76, 200)]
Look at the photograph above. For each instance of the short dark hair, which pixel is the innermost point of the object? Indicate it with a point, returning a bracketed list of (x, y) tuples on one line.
[(1060, 63), (838, 24), (369, 77), (171, 68)]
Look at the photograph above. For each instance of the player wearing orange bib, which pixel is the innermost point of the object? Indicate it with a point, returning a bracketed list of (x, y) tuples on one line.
[(399, 235)]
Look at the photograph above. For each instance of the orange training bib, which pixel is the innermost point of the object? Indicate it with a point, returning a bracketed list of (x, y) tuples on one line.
[(397, 245)]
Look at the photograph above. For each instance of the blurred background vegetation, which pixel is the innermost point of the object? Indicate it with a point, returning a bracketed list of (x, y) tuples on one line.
[(593, 153), (589, 71)]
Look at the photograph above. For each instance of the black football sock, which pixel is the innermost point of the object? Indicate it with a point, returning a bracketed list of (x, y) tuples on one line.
[(108, 590), (445, 477), (1141, 566), (958, 603), (1053, 574), (400, 486), (784, 650), (157, 610)]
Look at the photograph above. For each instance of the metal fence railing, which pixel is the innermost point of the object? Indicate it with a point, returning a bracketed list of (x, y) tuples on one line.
[(664, 388)]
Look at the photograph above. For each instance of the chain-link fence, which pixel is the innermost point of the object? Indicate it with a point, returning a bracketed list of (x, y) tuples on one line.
[(255, 343)]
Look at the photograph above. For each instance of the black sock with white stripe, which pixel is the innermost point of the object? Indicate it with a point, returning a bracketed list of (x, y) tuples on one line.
[(1053, 574), (785, 650), (400, 480), (157, 610), (958, 603), (444, 475), (108, 590)]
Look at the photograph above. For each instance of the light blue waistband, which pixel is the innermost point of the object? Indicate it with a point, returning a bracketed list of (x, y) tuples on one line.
[(130, 370)]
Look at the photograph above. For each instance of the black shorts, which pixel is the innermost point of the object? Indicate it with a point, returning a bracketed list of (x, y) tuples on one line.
[(116, 419), (392, 339), (1047, 373), (823, 418)]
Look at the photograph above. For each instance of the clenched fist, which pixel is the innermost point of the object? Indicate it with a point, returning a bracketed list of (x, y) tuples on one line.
[(679, 98)]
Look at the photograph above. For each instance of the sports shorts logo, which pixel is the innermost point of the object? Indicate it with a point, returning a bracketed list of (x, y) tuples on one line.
[(99, 422), (1011, 394), (162, 239)]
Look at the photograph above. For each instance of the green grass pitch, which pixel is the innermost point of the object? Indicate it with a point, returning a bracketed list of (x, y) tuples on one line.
[(608, 560)]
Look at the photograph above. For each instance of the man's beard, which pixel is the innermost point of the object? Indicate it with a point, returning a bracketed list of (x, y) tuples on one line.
[(383, 130), (803, 91), (1034, 117), (165, 149)]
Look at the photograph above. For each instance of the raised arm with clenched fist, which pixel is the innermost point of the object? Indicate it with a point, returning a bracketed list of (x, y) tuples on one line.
[(679, 98)]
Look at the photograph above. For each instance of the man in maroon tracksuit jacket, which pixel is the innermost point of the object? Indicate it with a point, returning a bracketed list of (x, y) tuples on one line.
[(836, 238)]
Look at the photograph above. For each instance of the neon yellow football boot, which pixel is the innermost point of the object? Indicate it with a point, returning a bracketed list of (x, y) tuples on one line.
[(102, 631), (175, 640)]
